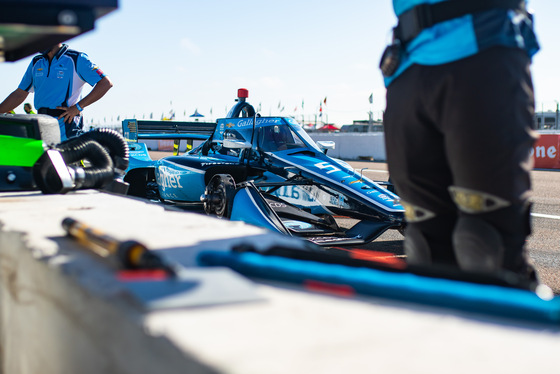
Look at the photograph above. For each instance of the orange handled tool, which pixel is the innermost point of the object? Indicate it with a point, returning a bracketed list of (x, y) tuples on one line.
[(131, 254)]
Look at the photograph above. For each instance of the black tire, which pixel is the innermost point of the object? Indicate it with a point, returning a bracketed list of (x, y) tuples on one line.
[(218, 195), (152, 191), (142, 183)]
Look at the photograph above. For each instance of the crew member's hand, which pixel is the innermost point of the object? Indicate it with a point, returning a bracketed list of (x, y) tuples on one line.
[(69, 113)]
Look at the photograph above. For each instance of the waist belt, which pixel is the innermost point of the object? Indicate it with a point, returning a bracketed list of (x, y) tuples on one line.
[(423, 16), (51, 112)]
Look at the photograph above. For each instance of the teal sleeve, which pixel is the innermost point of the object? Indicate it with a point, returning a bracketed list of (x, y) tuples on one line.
[(26, 83), (88, 71)]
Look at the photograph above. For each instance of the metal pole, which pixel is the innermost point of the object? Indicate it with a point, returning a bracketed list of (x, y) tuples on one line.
[(556, 122)]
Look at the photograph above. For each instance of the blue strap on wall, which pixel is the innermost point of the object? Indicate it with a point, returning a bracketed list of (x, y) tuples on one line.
[(463, 296)]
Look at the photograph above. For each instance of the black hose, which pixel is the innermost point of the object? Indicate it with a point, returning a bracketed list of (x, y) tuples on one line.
[(113, 141), (101, 171), (106, 154)]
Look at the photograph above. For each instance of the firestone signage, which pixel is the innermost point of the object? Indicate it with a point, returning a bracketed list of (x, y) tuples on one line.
[(546, 152)]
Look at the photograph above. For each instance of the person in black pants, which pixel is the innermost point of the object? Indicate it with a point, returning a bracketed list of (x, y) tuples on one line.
[(458, 128)]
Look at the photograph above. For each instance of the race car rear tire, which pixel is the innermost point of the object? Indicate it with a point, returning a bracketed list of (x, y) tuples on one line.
[(142, 183), (218, 195)]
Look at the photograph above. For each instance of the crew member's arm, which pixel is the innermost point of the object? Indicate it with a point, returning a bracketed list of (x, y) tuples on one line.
[(13, 100), (98, 91)]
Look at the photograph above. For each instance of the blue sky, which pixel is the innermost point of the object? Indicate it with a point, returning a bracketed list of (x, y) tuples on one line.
[(186, 55)]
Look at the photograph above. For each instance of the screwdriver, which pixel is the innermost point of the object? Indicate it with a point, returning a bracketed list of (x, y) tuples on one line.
[(131, 254)]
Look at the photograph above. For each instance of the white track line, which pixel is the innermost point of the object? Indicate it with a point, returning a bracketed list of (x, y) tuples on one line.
[(544, 216), (371, 171)]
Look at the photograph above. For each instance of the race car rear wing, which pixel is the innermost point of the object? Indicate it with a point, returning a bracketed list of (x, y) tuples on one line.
[(134, 129)]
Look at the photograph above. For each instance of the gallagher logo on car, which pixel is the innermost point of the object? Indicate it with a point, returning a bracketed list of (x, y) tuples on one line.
[(167, 178)]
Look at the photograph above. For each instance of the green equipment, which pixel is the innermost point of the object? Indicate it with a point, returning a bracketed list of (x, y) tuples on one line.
[(32, 157), (23, 140)]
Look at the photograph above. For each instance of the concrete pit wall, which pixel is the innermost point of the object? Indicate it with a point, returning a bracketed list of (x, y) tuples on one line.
[(49, 324)]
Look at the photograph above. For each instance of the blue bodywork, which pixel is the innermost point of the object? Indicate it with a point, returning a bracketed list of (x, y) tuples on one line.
[(276, 177)]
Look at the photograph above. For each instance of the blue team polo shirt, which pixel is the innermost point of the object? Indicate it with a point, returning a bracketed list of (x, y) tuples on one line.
[(60, 82), (465, 36)]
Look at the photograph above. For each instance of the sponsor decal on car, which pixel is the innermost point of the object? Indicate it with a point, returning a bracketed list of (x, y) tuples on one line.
[(327, 165), (168, 178)]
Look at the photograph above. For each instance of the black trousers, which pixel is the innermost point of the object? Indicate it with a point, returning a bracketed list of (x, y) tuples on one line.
[(469, 124)]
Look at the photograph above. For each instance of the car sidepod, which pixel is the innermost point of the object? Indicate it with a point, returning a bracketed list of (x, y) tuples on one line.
[(179, 182)]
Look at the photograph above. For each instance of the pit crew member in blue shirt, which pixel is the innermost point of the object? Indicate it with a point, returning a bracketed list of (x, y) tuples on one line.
[(458, 127), (57, 77)]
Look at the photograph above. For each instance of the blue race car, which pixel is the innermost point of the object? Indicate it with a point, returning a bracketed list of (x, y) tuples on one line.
[(265, 171)]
